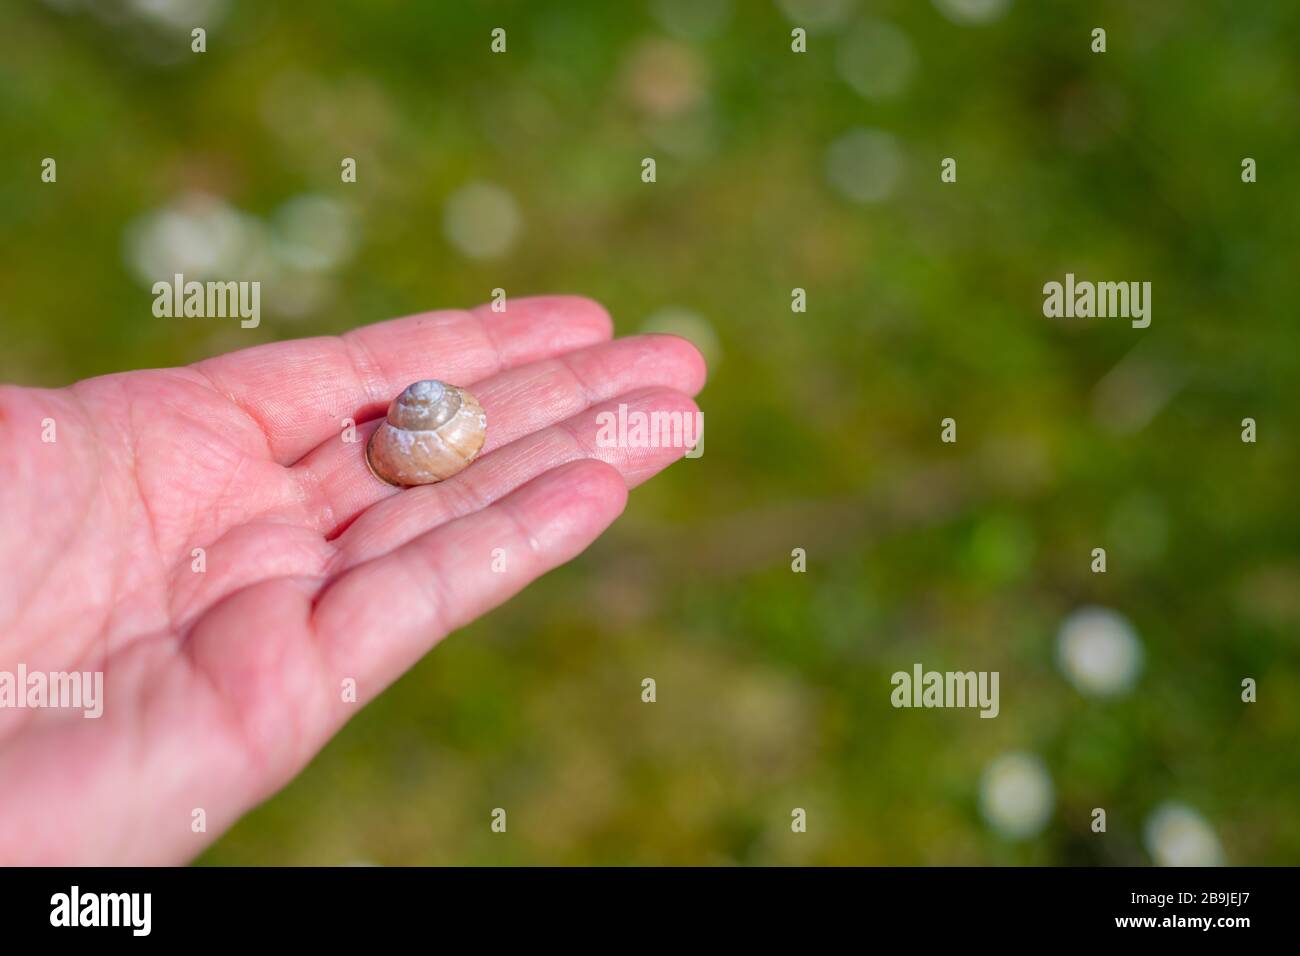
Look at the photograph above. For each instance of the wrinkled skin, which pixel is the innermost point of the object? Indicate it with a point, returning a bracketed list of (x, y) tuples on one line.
[(221, 684)]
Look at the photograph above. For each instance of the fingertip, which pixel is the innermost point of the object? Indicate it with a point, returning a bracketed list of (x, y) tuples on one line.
[(639, 463), (568, 507), (587, 311), (689, 356), (591, 482)]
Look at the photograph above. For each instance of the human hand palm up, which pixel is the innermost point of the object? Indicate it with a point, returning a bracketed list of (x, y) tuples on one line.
[(220, 685)]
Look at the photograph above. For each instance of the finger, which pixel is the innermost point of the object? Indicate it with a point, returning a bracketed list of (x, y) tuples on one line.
[(300, 392), (401, 518), (338, 485), (378, 619)]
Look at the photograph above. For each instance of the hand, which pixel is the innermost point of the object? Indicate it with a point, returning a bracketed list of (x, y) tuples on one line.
[(220, 684)]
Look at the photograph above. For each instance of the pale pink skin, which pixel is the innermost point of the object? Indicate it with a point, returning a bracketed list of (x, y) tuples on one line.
[(221, 686)]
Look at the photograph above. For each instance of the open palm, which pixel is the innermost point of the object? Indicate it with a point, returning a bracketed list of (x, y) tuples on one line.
[(211, 539)]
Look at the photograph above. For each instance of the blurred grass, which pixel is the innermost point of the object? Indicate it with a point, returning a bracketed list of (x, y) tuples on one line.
[(773, 687)]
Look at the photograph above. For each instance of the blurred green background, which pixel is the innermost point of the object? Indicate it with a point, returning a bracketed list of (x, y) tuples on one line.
[(775, 170)]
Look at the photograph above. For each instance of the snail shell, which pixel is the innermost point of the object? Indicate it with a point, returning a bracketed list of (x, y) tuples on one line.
[(432, 431)]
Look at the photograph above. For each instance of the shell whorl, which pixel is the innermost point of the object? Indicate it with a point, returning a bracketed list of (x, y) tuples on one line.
[(432, 431)]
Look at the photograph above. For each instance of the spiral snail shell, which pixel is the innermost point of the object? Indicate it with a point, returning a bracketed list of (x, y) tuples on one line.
[(432, 431)]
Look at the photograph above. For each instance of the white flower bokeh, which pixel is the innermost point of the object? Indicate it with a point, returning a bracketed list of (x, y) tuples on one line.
[(1176, 835), (1099, 651), (203, 237), (199, 235), (864, 165), (972, 11), (875, 58), (482, 220), (314, 232), (1016, 795), (180, 15)]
